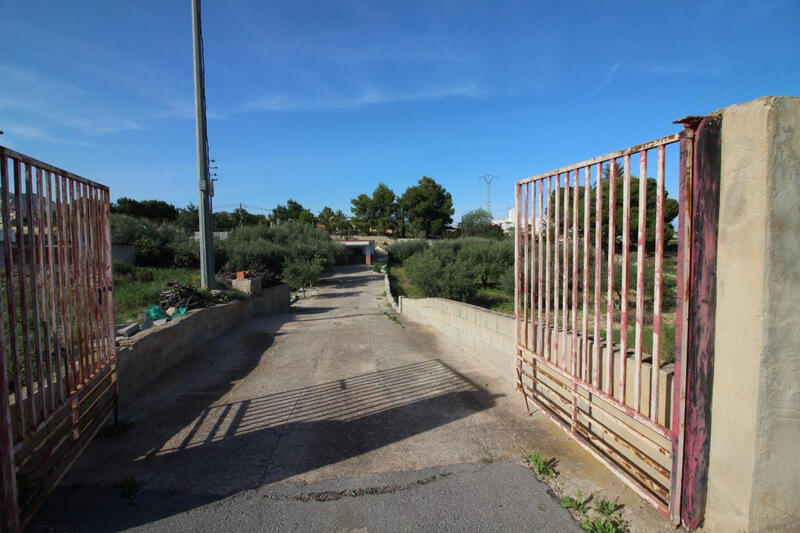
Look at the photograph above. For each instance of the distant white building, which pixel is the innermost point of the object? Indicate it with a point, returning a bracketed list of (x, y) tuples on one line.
[(510, 221)]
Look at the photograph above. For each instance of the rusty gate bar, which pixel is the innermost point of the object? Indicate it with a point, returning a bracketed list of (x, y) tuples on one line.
[(56, 324), (628, 414)]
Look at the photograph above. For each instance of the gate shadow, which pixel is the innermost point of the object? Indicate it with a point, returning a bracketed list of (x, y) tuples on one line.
[(226, 448)]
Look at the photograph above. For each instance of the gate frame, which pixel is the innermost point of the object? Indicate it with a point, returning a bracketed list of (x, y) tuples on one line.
[(695, 306), (78, 403)]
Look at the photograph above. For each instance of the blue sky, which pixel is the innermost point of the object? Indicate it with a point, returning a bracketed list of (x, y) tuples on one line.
[(319, 101)]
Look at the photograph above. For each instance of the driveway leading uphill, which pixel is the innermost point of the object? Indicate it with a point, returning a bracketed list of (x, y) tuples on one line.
[(337, 416)]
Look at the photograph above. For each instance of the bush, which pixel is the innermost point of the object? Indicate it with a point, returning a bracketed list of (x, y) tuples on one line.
[(187, 253), (267, 249), (508, 282), (301, 273), (402, 250), (260, 255), (458, 281), (425, 271), (153, 252), (126, 229)]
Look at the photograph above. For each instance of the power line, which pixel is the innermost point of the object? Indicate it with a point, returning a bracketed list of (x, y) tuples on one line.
[(489, 178)]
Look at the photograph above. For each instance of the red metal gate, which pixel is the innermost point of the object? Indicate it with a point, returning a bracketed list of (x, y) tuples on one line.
[(58, 377), (601, 288)]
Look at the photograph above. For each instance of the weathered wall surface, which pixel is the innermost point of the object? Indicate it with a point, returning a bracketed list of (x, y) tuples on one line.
[(487, 337), (146, 356), (754, 470)]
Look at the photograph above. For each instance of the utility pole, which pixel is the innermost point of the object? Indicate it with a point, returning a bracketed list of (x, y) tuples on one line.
[(488, 178), (203, 178)]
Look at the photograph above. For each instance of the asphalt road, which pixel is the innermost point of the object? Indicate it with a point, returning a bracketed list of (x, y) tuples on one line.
[(335, 417)]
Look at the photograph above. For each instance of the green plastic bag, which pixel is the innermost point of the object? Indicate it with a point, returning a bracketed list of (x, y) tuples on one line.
[(154, 312)]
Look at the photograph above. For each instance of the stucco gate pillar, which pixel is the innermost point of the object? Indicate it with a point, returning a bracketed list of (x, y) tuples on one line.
[(754, 457)]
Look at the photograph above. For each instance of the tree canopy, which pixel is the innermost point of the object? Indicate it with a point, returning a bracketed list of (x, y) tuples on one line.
[(292, 211), (156, 210), (476, 219), (378, 212), (426, 208)]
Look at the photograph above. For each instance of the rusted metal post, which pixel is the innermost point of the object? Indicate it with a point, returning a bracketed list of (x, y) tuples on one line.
[(623, 293), (525, 264), (681, 318), (548, 342), (540, 329), (657, 286), (598, 276), (517, 281), (640, 248), (612, 239), (585, 317), (699, 364), (10, 509)]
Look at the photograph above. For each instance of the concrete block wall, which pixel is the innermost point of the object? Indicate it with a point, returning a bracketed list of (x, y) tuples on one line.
[(487, 337), (146, 356), (388, 286)]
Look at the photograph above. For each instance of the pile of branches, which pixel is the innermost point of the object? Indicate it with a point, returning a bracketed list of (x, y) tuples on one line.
[(180, 295)]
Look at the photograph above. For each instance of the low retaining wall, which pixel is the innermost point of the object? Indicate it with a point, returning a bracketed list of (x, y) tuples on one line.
[(388, 287), (486, 336), (146, 356)]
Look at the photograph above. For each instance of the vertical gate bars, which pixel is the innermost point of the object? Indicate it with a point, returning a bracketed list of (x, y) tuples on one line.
[(56, 305), (570, 369)]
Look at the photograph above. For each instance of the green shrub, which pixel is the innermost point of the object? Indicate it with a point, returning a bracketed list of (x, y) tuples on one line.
[(425, 271), (458, 281), (153, 252), (507, 281), (301, 273), (267, 249), (123, 269), (402, 250), (187, 253), (126, 229)]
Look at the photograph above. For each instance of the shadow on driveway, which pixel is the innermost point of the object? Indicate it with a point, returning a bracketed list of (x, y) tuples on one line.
[(241, 445)]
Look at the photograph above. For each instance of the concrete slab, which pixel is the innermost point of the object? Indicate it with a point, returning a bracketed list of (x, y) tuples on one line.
[(332, 391)]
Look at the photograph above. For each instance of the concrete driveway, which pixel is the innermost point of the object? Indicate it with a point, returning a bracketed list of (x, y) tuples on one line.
[(334, 417)]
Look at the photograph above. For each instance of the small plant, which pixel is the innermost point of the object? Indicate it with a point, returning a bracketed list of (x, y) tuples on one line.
[(393, 318), (604, 525), (576, 504), (540, 467), (376, 268), (606, 507)]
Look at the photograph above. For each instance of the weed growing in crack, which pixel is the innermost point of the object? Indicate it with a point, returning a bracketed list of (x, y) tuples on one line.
[(576, 504), (393, 318), (540, 467), (606, 507), (602, 524), (606, 517)]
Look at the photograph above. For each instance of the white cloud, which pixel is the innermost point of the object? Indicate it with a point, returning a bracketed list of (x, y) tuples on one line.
[(368, 96), (27, 131), (677, 69), (608, 77)]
